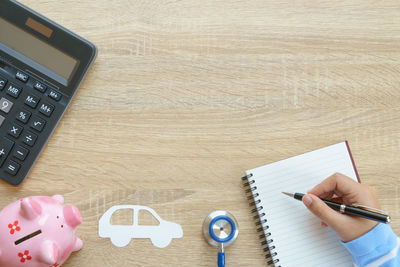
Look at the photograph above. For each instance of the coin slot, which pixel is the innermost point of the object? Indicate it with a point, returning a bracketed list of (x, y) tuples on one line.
[(27, 237)]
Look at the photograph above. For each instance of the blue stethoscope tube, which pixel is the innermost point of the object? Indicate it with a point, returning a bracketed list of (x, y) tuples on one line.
[(221, 259), (221, 241)]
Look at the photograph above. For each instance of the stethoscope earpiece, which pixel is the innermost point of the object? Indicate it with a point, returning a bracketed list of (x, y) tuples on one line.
[(220, 229)]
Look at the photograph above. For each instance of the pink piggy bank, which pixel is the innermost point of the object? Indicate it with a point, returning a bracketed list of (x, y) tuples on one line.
[(38, 232)]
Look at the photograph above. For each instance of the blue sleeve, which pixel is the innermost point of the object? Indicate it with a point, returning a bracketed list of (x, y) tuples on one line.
[(378, 247)]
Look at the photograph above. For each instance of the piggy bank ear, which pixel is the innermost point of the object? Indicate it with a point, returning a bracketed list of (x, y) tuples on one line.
[(49, 252), (30, 208), (58, 198), (72, 216)]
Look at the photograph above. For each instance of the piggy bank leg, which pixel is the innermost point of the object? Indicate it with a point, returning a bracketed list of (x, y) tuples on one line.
[(78, 244), (49, 252)]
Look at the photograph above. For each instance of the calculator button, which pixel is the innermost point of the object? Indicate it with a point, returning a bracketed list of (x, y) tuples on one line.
[(23, 115), (37, 123), (3, 83), (5, 147), (55, 95), (15, 130), (13, 90), (31, 101), (12, 167), (40, 86), (46, 109), (1, 120), (22, 76), (5, 105), (20, 153), (29, 138)]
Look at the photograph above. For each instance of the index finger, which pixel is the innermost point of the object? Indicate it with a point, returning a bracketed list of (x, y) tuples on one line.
[(337, 183)]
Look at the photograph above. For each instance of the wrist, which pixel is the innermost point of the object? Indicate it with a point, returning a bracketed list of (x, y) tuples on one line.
[(356, 229)]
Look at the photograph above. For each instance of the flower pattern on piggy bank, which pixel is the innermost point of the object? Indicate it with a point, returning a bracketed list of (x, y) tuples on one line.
[(38, 232)]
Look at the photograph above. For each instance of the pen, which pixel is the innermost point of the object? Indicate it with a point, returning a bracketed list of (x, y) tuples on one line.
[(349, 209)]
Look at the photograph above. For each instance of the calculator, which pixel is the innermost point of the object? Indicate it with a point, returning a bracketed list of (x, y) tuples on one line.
[(41, 67)]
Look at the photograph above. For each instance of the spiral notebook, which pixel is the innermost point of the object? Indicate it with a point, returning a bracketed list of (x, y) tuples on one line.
[(291, 235)]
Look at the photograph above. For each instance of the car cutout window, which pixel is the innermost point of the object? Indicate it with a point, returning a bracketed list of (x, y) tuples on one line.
[(124, 217), (147, 218)]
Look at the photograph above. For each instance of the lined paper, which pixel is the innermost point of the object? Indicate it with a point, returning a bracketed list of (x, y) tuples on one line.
[(297, 235)]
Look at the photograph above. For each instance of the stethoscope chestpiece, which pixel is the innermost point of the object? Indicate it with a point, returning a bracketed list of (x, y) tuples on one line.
[(220, 229)]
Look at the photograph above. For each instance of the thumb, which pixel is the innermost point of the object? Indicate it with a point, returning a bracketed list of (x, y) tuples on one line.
[(322, 211)]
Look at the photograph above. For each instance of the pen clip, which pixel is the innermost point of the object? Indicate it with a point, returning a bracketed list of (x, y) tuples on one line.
[(356, 205)]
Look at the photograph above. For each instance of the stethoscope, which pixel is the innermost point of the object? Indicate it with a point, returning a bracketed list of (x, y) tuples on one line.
[(220, 229)]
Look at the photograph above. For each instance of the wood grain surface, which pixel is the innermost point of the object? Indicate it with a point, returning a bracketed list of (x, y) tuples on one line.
[(186, 95)]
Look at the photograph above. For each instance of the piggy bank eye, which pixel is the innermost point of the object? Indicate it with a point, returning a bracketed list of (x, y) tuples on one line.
[(58, 217), (62, 226)]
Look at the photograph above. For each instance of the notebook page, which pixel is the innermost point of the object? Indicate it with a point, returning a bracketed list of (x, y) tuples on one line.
[(297, 235)]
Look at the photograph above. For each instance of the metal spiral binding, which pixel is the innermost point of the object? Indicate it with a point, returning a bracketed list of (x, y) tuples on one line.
[(265, 236)]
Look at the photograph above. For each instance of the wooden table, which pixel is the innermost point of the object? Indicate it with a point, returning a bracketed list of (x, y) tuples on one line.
[(186, 95)]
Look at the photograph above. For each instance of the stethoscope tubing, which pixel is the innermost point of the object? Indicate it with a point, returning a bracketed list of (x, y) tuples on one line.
[(221, 259)]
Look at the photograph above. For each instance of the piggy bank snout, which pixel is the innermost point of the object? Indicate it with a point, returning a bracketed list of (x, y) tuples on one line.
[(72, 216)]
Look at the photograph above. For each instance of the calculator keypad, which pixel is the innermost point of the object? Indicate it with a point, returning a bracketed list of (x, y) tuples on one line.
[(29, 110)]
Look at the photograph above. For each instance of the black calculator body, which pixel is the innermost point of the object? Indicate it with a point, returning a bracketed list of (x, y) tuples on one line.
[(41, 66)]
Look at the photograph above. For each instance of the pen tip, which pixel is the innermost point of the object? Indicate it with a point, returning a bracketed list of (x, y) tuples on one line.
[(288, 194)]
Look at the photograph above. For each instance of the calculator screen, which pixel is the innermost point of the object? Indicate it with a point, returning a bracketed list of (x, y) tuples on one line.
[(36, 49)]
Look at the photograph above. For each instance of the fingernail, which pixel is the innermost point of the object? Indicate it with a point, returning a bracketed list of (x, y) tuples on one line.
[(307, 200)]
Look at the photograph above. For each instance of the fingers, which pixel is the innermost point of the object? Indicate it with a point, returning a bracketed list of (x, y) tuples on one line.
[(342, 189), (322, 211), (337, 184)]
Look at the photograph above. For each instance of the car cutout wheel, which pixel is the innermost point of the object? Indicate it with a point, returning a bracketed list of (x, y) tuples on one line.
[(120, 241), (161, 242)]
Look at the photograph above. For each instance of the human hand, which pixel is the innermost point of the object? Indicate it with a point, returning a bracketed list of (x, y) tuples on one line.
[(342, 189)]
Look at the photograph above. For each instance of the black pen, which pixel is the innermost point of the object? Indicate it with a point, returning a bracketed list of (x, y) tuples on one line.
[(350, 209)]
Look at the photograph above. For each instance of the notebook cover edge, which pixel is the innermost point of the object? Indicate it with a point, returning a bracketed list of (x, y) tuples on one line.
[(352, 161)]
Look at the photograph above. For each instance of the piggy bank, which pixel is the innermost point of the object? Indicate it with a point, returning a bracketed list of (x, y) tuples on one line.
[(38, 232)]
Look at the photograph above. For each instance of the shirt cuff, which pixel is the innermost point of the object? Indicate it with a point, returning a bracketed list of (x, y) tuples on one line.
[(380, 235)]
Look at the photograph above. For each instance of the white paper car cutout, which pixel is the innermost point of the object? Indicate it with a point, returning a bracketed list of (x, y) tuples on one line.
[(121, 235)]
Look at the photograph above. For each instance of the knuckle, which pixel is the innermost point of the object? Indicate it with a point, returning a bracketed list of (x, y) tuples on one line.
[(337, 176)]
